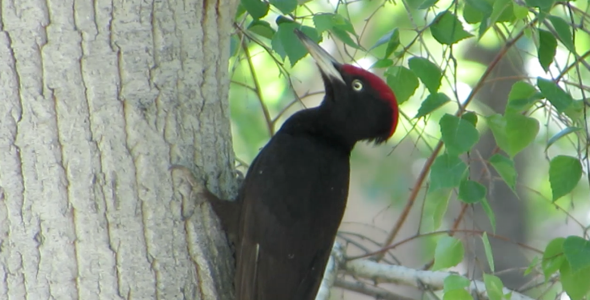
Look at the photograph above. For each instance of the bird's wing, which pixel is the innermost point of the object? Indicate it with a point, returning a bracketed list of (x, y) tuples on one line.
[(291, 208), (268, 270), (247, 255)]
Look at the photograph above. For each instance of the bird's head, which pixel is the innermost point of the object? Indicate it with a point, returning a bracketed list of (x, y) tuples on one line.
[(358, 105)]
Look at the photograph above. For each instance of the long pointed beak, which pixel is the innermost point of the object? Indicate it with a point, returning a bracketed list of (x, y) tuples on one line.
[(327, 64)]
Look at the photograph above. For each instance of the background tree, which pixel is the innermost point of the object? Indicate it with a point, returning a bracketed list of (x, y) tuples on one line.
[(97, 100)]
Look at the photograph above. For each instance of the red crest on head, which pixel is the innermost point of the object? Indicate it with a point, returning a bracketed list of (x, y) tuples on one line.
[(380, 86)]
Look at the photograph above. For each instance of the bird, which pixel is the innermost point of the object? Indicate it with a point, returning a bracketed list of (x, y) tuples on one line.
[(291, 202)]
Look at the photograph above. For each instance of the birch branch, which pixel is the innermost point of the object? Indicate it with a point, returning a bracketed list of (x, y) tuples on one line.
[(395, 274), (336, 259)]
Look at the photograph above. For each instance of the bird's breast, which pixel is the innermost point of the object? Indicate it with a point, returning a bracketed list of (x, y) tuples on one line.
[(301, 180)]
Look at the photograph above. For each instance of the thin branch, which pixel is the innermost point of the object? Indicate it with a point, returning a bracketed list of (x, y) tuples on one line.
[(574, 64), (365, 289), (450, 233), (258, 90), (297, 99), (426, 169), (411, 277), (331, 272), (464, 206)]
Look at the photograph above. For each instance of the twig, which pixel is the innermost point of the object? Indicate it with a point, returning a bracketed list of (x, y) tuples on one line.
[(365, 289), (258, 90), (403, 275), (450, 233), (426, 169), (336, 259)]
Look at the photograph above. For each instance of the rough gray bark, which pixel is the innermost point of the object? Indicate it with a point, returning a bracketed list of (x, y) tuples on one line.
[(97, 100)]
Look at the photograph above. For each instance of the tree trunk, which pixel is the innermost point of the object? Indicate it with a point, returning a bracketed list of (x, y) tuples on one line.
[(97, 100), (508, 208)]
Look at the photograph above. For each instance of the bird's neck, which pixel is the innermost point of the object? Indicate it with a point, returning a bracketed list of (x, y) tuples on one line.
[(316, 124)]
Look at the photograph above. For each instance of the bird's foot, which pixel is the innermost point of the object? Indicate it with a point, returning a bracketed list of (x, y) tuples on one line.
[(227, 211), (199, 190)]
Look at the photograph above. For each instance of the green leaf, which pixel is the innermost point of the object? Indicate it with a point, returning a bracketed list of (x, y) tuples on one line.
[(520, 131), (457, 295), (447, 172), (285, 6), (563, 32), (520, 12), (278, 47), (558, 97), (513, 132), (447, 29), (337, 24), (561, 134), (544, 5), (547, 49), (342, 35), (502, 11), (522, 96), (472, 14), (488, 250), (471, 191), (575, 284), (470, 117), (382, 63), (323, 22), (455, 282), (458, 135), (483, 27), (282, 19), (505, 168), (431, 103), (532, 265), (435, 209), (262, 28), (343, 23), (427, 4), (276, 42), (393, 42), (490, 213), (564, 174), (256, 8), (240, 11), (428, 73), (448, 253), (286, 43), (403, 82), (576, 110), (552, 257), (498, 11), (484, 7), (577, 252), (494, 287)]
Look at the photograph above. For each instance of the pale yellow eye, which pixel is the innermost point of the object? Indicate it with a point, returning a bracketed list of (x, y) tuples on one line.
[(357, 85)]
